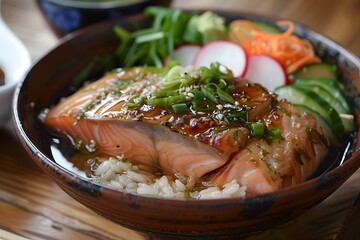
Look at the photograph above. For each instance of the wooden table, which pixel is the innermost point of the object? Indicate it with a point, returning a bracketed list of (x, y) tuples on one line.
[(33, 207)]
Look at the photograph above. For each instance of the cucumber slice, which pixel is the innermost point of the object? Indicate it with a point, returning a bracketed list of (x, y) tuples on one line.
[(330, 85), (298, 95), (321, 120), (336, 103), (315, 70), (267, 27)]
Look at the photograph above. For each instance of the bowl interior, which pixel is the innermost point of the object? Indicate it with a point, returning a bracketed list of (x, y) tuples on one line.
[(57, 74)]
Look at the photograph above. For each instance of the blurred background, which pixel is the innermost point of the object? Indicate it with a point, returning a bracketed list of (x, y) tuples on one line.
[(338, 20)]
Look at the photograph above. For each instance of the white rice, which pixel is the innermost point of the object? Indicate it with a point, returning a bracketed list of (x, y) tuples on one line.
[(121, 175)]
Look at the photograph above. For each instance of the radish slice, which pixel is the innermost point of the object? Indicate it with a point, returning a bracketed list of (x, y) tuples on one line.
[(266, 71), (230, 54), (185, 54)]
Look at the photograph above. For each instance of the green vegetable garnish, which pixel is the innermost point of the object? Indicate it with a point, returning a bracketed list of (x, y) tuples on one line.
[(205, 28), (201, 88), (180, 107), (166, 101), (135, 101), (257, 129), (149, 46), (275, 133)]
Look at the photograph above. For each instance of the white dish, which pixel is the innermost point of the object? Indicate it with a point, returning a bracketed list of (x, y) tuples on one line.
[(15, 61)]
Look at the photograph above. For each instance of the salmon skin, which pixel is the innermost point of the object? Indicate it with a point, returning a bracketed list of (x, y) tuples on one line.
[(195, 123)]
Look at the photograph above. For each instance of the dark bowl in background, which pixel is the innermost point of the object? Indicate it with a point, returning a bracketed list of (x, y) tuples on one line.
[(66, 16), (53, 75)]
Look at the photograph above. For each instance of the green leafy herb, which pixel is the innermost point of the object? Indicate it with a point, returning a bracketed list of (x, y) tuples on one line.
[(150, 46)]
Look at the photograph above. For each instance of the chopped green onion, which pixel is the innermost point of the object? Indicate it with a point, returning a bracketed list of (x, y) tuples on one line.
[(224, 96), (174, 85), (172, 29), (198, 95), (174, 73), (141, 32), (165, 93), (222, 83), (257, 129), (200, 106), (231, 87), (206, 75), (179, 107), (166, 101), (208, 91), (135, 101), (154, 56), (126, 39), (275, 133), (149, 37), (199, 102), (134, 54)]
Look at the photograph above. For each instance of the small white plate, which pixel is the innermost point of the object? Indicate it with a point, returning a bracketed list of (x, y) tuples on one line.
[(15, 61)]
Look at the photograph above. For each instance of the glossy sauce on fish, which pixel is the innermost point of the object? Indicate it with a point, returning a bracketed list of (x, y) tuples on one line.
[(212, 128)]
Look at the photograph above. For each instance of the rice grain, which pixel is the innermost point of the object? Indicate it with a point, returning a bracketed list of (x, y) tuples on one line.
[(141, 179)]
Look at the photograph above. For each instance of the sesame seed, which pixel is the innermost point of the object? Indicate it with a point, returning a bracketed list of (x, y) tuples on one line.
[(90, 161), (171, 119), (190, 95), (237, 103), (219, 106), (220, 116)]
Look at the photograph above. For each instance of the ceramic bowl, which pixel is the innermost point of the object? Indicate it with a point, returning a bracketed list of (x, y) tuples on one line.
[(15, 61), (53, 77), (66, 16)]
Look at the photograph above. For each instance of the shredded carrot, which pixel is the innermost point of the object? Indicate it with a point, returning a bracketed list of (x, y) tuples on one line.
[(291, 51)]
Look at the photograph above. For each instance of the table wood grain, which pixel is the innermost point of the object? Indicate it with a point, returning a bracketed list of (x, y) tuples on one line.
[(32, 206)]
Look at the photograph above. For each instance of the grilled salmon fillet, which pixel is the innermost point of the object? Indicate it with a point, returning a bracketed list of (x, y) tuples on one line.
[(199, 123)]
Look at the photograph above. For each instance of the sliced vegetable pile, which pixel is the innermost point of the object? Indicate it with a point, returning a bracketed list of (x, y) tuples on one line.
[(257, 51), (316, 90)]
